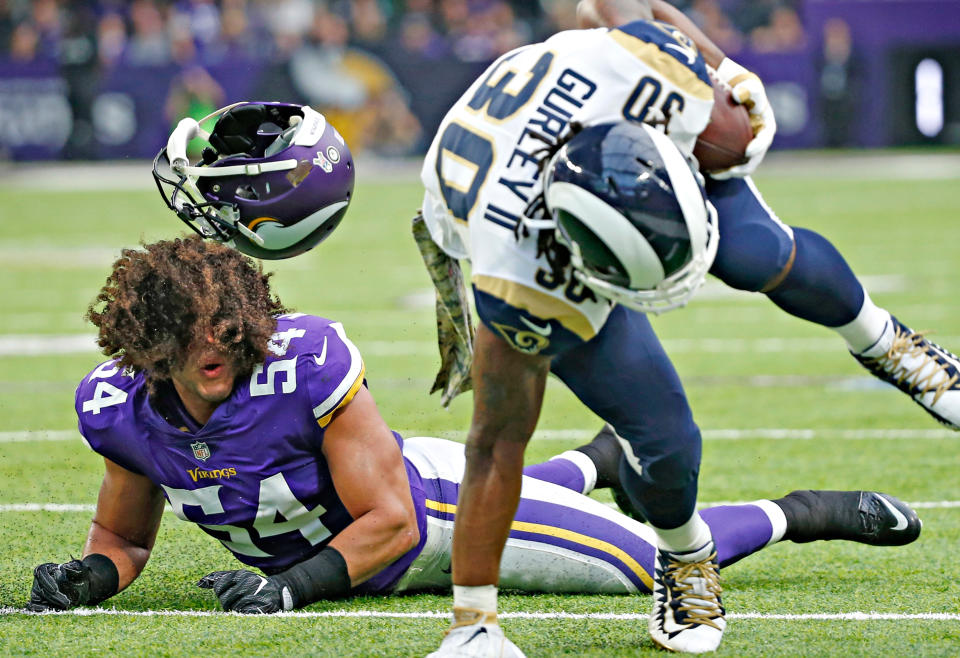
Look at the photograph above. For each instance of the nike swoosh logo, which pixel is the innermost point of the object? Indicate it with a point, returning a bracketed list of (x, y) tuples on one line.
[(543, 331), (323, 353), (263, 581), (691, 58), (287, 598), (480, 631), (448, 569), (897, 514), (277, 236)]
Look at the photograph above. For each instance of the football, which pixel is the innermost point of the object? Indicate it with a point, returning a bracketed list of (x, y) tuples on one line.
[(722, 143)]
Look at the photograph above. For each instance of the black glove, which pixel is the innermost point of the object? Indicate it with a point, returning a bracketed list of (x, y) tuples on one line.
[(244, 591), (59, 586)]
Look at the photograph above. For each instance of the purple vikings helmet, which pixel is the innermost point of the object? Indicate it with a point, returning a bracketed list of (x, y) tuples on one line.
[(274, 182)]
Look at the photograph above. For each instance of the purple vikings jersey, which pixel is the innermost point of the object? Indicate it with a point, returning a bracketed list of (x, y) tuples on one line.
[(254, 476)]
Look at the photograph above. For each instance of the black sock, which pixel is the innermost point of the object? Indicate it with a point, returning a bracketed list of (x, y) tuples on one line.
[(607, 463), (813, 515)]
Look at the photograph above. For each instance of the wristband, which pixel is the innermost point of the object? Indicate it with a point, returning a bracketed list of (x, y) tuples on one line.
[(733, 74), (324, 576), (103, 577)]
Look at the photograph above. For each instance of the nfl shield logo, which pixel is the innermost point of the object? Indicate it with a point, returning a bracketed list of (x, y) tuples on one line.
[(200, 451)]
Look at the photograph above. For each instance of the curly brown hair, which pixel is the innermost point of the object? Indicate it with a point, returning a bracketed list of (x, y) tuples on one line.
[(166, 296)]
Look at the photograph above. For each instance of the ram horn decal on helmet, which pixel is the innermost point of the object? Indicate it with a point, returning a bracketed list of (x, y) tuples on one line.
[(634, 214), (275, 180)]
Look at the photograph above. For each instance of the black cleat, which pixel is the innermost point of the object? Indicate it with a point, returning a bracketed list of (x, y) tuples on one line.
[(606, 453), (867, 517)]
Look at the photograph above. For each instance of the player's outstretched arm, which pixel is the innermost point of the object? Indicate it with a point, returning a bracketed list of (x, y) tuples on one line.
[(118, 545), (747, 87), (610, 13)]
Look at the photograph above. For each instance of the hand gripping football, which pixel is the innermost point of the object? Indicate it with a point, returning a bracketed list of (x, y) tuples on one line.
[(723, 142)]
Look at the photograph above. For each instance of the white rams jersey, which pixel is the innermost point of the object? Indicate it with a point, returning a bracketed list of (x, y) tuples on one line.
[(483, 167)]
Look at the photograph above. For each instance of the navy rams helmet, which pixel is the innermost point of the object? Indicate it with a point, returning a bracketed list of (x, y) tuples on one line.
[(634, 215), (276, 179)]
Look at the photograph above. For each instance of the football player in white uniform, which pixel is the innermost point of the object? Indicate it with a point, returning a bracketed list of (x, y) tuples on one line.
[(798, 269), (481, 174), (545, 308)]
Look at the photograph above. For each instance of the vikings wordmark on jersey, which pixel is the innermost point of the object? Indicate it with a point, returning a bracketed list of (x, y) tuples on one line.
[(483, 167)]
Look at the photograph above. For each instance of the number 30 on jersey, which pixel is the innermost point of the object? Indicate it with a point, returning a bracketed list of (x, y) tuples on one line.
[(465, 155)]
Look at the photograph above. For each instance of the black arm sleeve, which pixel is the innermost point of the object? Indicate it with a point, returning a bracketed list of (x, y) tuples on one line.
[(104, 577), (324, 576)]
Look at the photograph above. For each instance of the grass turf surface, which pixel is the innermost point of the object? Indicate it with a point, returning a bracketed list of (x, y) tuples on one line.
[(746, 365)]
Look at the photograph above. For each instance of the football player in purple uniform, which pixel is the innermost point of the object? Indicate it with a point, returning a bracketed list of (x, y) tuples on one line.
[(256, 424)]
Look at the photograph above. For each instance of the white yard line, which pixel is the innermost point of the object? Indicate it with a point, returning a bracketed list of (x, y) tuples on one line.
[(76, 507), (28, 436), (929, 504), (808, 434), (47, 507), (770, 434), (58, 344), (52, 345), (877, 164), (840, 616)]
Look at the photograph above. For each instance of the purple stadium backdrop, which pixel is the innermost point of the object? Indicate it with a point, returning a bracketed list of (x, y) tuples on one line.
[(890, 38)]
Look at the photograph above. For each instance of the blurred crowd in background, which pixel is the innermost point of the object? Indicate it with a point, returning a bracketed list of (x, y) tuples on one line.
[(361, 62), (150, 32)]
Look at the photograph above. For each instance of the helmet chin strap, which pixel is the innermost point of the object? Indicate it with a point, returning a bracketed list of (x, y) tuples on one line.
[(228, 214), (238, 170), (188, 129)]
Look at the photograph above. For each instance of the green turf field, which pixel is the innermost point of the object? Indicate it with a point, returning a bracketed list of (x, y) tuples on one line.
[(781, 404)]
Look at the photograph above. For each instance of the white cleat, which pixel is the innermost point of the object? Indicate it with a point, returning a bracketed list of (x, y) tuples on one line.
[(476, 634), (920, 368), (687, 611)]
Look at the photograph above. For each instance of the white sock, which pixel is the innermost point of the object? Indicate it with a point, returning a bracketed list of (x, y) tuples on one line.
[(778, 521), (870, 331), (691, 535), (478, 597), (585, 465)]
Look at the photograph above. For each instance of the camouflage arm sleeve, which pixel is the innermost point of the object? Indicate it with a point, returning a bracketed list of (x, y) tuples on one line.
[(455, 328)]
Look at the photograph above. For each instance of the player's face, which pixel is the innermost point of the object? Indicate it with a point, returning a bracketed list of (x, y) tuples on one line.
[(204, 379)]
